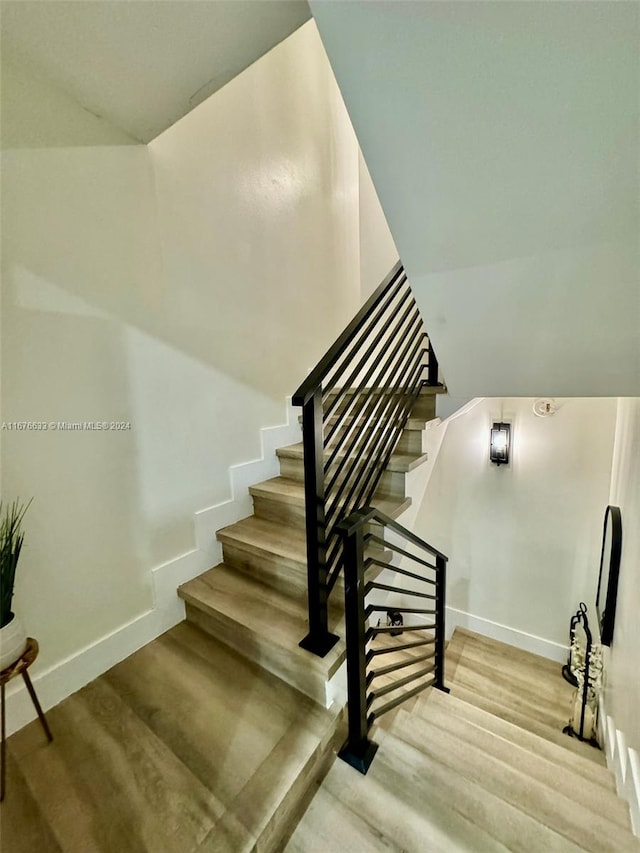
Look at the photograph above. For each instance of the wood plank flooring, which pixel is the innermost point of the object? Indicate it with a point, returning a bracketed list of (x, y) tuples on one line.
[(450, 776), (185, 746)]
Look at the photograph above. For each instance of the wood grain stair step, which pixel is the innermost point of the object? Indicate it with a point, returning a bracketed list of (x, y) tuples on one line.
[(591, 832), (415, 423), (184, 746), (519, 736), (445, 713), (521, 697), (263, 624), (282, 499), (526, 721), (276, 554), (410, 802), (399, 462), (528, 674)]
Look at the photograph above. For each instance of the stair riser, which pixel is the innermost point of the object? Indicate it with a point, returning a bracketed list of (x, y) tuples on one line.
[(301, 792), (293, 469), (392, 483), (411, 441), (296, 672), (284, 576), (280, 574), (279, 511)]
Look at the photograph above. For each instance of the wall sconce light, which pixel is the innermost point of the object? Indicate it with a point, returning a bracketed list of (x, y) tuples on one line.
[(500, 443)]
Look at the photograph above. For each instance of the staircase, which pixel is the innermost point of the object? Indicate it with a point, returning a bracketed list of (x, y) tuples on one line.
[(484, 768), (255, 601)]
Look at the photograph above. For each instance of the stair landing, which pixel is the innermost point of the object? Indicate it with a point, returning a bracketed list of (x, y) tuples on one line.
[(184, 747)]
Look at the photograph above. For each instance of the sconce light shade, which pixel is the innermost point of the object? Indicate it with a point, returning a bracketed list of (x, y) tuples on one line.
[(500, 443)]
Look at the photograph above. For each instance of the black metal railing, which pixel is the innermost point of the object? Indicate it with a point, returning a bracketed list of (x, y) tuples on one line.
[(411, 644), (355, 405)]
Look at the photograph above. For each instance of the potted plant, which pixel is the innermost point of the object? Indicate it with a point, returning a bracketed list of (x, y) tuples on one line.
[(13, 640)]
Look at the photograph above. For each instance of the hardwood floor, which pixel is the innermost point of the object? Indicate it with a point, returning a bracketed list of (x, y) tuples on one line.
[(450, 776), (184, 746)]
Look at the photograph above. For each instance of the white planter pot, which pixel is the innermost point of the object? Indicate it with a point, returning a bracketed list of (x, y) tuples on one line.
[(13, 642)]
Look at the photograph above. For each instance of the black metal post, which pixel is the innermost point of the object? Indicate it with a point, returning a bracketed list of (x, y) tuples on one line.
[(319, 640), (358, 751), (441, 588), (585, 686), (432, 367)]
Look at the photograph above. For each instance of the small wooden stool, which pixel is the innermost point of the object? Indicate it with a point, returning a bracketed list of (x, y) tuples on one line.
[(20, 667)]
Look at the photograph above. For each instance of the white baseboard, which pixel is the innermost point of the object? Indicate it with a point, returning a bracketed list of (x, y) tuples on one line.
[(69, 675), (624, 763), (504, 634)]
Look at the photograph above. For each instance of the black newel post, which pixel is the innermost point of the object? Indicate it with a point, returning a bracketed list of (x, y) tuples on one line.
[(441, 588), (358, 751), (432, 367), (319, 640)]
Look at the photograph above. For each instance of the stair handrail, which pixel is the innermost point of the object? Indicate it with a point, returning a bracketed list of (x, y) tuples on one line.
[(359, 750), (345, 422)]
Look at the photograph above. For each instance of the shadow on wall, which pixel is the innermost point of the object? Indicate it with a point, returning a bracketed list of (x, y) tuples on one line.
[(222, 238), (193, 329)]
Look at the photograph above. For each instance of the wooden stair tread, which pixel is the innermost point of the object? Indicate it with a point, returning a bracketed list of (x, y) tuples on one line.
[(444, 712), (263, 624), (425, 392), (267, 537), (517, 735), (413, 803), (400, 462), (524, 681), (278, 619), (592, 832), (291, 492), (529, 723), (518, 686)]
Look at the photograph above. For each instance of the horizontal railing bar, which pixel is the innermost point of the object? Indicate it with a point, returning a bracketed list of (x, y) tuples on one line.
[(410, 318), (372, 653), (389, 608), (369, 514), (390, 408), (411, 309), (385, 586), (400, 291), (382, 421), (389, 688), (398, 700), (389, 371), (404, 553), (384, 444), (313, 381), (401, 415), (392, 667), (373, 632), (400, 571)]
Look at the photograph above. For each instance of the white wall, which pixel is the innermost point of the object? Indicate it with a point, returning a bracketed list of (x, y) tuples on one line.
[(622, 696), (378, 253), (80, 270), (503, 140), (185, 288), (523, 540)]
